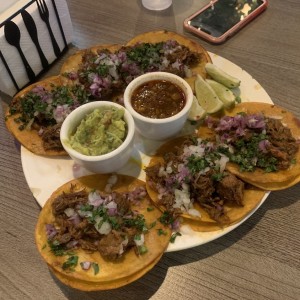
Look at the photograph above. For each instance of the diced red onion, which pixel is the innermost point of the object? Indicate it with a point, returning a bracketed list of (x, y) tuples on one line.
[(95, 199), (176, 225), (255, 121), (263, 146), (75, 219), (85, 265), (50, 231)]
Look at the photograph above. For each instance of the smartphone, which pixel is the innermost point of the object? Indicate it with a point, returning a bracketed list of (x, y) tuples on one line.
[(220, 19)]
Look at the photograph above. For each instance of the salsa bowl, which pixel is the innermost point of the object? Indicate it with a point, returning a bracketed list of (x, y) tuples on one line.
[(147, 89)]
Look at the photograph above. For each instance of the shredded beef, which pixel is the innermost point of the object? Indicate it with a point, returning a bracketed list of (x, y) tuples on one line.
[(283, 145), (231, 189), (203, 187), (51, 138), (110, 246), (167, 200), (152, 173), (66, 200), (88, 245), (122, 203), (80, 229), (215, 209), (130, 234), (63, 238)]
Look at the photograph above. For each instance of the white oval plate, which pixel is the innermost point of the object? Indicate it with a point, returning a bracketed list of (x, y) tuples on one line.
[(45, 174)]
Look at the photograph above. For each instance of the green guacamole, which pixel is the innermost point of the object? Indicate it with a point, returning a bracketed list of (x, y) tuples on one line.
[(100, 132)]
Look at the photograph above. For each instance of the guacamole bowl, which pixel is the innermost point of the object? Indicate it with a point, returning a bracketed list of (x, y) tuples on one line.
[(159, 103), (99, 136)]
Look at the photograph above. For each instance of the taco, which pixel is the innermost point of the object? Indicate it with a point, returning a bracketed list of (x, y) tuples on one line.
[(101, 232), (182, 51), (36, 113), (187, 179), (262, 143), (71, 67), (105, 71)]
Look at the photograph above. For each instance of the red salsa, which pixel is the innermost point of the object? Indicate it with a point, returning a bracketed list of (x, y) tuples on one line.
[(158, 99)]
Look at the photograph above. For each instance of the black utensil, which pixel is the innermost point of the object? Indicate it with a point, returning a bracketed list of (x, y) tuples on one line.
[(44, 13), (32, 30), (13, 36), (9, 71), (59, 23)]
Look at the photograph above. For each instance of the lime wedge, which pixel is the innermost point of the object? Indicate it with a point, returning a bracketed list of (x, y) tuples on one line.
[(221, 76), (224, 93), (206, 96), (196, 112)]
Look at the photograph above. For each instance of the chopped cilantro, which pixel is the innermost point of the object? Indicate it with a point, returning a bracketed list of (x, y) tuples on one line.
[(151, 225), (56, 248), (96, 268), (174, 236), (137, 237), (161, 232), (142, 249), (138, 222), (70, 263), (166, 218)]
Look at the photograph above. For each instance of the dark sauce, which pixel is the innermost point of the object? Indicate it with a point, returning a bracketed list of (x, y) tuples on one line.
[(158, 99)]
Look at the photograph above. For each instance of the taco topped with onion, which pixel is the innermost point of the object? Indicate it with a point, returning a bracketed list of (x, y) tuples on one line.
[(261, 142), (105, 71), (181, 55), (36, 113), (101, 231), (187, 179)]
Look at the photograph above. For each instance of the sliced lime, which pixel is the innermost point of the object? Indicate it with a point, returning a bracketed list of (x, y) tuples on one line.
[(196, 112), (224, 93), (206, 96), (221, 76)]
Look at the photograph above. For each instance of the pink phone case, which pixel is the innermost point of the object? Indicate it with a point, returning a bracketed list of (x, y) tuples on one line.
[(230, 32)]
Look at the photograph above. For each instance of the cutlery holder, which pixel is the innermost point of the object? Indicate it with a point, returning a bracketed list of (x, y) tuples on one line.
[(29, 46)]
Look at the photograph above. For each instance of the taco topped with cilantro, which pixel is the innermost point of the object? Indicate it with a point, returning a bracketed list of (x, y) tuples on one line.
[(187, 178), (101, 231), (261, 142), (181, 55), (36, 113), (105, 71)]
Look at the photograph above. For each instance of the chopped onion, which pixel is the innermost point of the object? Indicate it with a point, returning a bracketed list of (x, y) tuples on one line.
[(139, 239), (95, 199), (69, 212), (50, 231), (112, 208), (75, 218), (122, 245), (85, 265), (263, 145), (105, 228), (223, 161)]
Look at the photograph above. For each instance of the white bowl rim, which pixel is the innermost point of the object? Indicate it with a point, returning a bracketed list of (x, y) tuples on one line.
[(158, 75), (87, 108)]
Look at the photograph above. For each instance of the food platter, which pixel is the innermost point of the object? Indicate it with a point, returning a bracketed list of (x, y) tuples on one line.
[(46, 174)]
